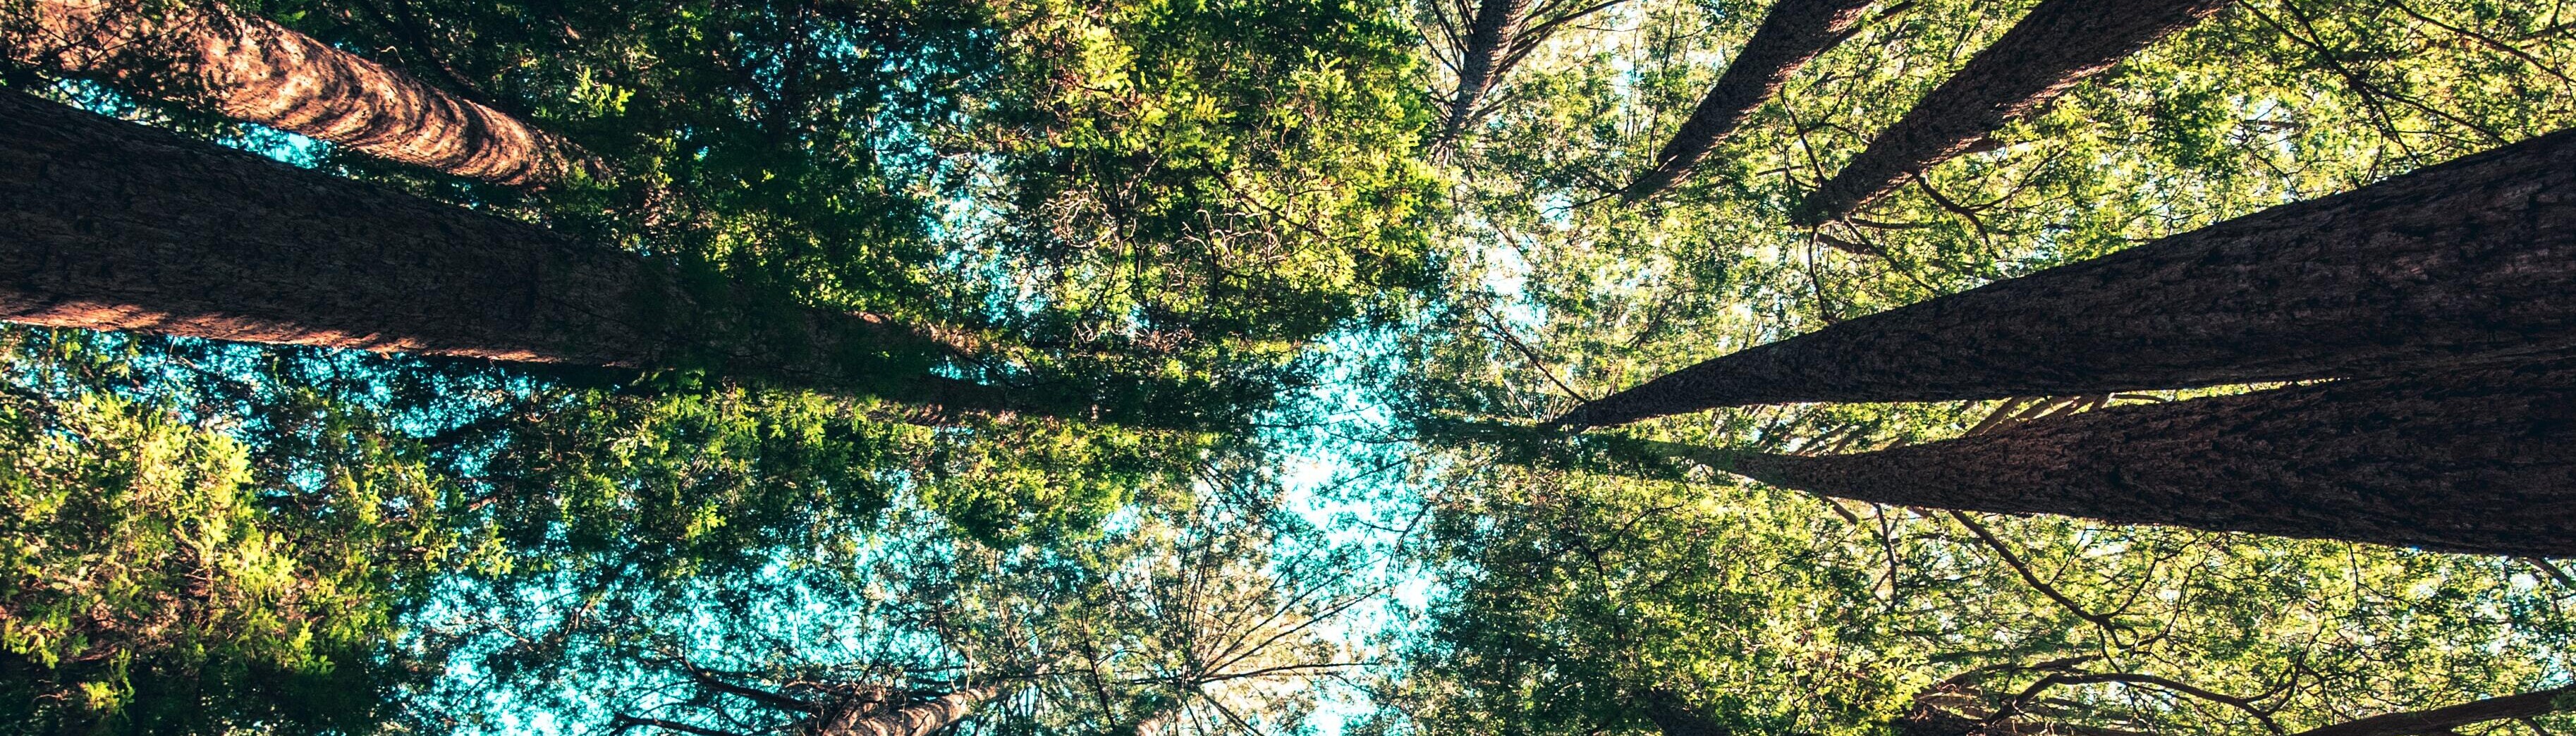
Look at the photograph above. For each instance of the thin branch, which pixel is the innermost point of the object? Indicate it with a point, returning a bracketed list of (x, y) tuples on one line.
[(2018, 566), (1526, 351), (624, 722)]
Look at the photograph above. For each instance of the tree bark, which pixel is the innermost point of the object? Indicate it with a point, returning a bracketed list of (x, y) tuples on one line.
[(1489, 37), (199, 53), (108, 225), (2465, 263), (2059, 44), (2482, 462), (2439, 720), (917, 719), (1673, 716), (1793, 33)]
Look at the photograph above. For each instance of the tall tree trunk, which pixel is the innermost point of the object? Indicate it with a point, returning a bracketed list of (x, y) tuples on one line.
[(2483, 463), (1489, 37), (2442, 720), (200, 53), (1794, 32), (2456, 264), (916, 719), (109, 225), (1673, 716), (2060, 43)]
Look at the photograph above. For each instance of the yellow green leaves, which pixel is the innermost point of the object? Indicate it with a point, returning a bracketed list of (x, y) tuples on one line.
[(131, 535)]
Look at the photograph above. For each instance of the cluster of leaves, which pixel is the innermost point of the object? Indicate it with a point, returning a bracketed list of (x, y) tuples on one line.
[(1579, 599), (1181, 614), (163, 576), (2238, 114), (1583, 596)]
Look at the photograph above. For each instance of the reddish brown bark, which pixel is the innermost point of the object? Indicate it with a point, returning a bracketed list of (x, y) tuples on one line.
[(200, 53), (2442, 720), (109, 225), (1489, 38), (2059, 44), (2459, 264), (2480, 462), (915, 719), (1793, 33)]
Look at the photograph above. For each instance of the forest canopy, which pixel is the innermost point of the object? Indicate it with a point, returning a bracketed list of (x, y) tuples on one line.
[(1270, 367)]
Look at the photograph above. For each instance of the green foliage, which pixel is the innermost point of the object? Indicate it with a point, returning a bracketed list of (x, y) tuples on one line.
[(2228, 118), (1186, 168), (155, 586), (206, 538), (1574, 596)]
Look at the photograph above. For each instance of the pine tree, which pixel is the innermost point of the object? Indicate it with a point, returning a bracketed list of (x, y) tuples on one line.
[(2481, 462), (2060, 43), (1794, 32), (2456, 264), (126, 228)]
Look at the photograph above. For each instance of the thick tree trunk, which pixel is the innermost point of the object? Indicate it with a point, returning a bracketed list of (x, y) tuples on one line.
[(1489, 37), (2464, 263), (916, 719), (2442, 720), (2059, 44), (1674, 717), (2483, 462), (1794, 32), (200, 53), (109, 225)]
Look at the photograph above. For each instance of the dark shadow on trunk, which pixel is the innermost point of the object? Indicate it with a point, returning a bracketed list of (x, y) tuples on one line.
[(2443, 720), (2480, 462), (2461, 264), (2059, 44), (108, 225), (1793, 33)]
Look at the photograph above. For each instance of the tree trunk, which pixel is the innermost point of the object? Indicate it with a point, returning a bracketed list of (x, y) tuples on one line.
[(2441, 720), (200, 53), (1488, 39), (2482, 463), (917, 719), (2463, 263), (1673, 716), (1794, 32), (2060, 43), (108, 225)]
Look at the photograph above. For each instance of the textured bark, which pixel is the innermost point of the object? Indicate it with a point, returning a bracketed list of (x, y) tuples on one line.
[(2441, 720), (1794, 32), (1673, 717), (1489, 37), (202, 54), (2465, 263), (916, 719), (2479, 462), (2059, 44), (109, 225)]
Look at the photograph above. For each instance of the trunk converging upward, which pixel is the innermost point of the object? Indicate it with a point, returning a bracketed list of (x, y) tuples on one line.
[(2463, 263), (2482, 462), (2059, 44), (1489, 38), (1673, 716), (834, 709), (919, 718), (197, 52), (2445, 719), (1794, 32), (110, 225)]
